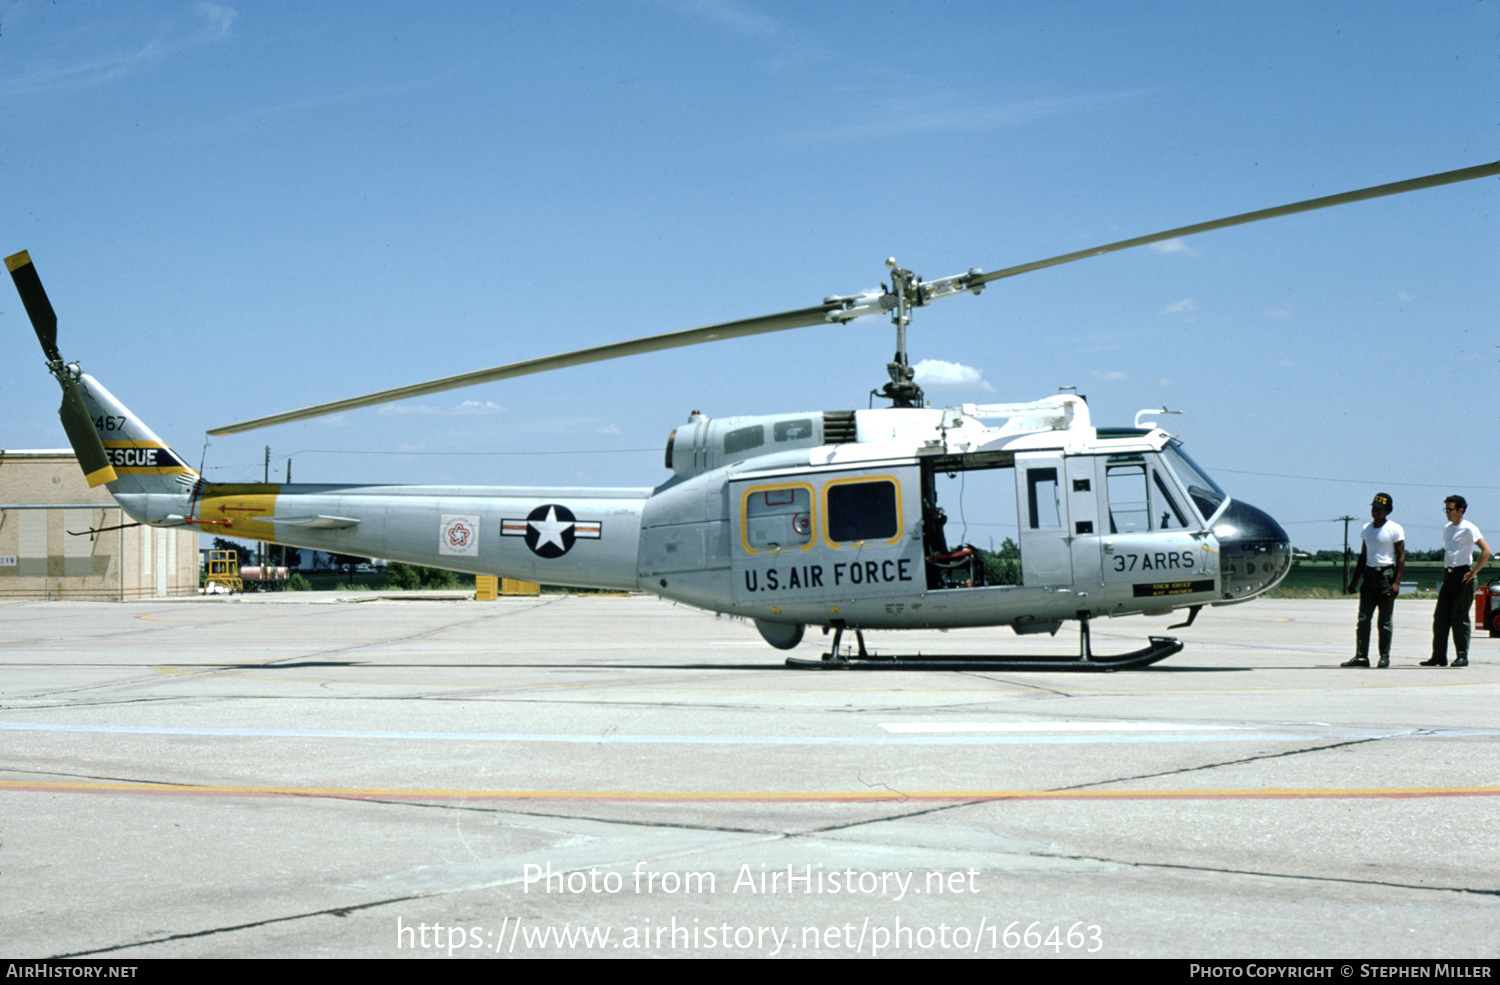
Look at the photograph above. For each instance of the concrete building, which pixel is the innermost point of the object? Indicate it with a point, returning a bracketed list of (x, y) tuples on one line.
[(47, 511)]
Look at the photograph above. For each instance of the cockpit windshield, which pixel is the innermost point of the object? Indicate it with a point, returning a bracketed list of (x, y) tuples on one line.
[(1205, 492)]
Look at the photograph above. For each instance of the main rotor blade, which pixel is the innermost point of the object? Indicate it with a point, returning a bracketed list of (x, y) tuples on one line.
[(816, 315), (651, 343), (1394, 188), (38, 308)]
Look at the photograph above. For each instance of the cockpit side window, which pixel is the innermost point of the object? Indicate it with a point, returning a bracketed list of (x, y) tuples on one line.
[(1170, 515), (1204, 492), (1129, 507)]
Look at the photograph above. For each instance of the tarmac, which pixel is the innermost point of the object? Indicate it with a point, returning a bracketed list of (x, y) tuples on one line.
[(386, 775)]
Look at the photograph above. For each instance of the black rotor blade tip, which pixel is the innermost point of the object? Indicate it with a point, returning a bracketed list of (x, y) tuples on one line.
[(34, 297)]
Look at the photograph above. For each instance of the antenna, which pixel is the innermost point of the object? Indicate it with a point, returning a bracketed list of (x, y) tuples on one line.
[(1152, 410)]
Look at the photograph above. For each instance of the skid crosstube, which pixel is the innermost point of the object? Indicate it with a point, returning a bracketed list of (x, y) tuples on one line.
[(1161, 647)]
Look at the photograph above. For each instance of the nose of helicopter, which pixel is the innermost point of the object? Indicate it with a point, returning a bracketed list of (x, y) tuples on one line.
[(1255, 553)]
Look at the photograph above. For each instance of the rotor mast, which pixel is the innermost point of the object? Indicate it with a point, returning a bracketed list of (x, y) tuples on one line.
[(906, 291), (902, 390)]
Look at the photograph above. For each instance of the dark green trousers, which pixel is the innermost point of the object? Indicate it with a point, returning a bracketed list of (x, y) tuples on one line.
[(1452, 614), (1373, 589)]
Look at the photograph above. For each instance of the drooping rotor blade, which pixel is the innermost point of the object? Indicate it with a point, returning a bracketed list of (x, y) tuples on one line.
[(92, 457), (38, 308), (839, 308), (1378, 191), (652, 343)]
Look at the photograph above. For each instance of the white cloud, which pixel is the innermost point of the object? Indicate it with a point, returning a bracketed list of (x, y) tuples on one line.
[(939, 374), (1164, 381), (1405, 296), (479, 407), (727, 13), (954, 114), (1108, 376), (216, 21), (1173, 246), (1285, 311), (468, 407), (409, 409), (1179, 307), (219, 19)]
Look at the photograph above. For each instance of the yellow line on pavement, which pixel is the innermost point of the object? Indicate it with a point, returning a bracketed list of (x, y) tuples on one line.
[(792, 796)]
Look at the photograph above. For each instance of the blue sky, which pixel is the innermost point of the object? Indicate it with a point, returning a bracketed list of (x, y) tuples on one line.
[(242, 208)]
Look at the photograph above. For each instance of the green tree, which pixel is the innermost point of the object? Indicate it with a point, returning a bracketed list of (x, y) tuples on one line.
[(1003, 567), (246, 554), (411, 576), (348, 562)]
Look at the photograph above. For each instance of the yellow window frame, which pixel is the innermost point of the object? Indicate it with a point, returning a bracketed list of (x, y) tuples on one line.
[(812, 506), (900, 516)]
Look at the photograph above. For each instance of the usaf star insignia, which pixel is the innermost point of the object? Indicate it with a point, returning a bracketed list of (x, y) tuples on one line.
[(551, 530)]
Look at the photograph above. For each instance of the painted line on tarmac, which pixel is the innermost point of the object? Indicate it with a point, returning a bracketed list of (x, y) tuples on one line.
[(791, 796), (1097, 734), (908, 728)]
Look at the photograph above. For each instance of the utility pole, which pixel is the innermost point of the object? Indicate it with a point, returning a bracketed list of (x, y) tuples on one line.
[(261, 550), (1347, 520)]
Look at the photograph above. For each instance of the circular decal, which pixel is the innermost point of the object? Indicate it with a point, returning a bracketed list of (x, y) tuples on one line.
[(550, 530), (460, 535)]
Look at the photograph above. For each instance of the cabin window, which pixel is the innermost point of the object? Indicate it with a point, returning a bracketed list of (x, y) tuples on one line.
[(743, 439), (779, 518), (863, 511), (798, 430), (1129, 509), (1041, 499)]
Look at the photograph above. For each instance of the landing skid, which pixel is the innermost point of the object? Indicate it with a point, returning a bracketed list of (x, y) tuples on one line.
[(1161, 647)]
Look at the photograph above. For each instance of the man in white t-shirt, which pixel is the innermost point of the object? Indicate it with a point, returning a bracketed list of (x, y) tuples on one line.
[(1382, 558), (1460, 537)]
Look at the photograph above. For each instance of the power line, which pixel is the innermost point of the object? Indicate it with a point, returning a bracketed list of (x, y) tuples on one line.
[(346, 451), (569, 451), (1366, 482)]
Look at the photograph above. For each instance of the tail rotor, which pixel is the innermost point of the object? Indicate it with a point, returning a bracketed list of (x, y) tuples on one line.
[(80, 429)]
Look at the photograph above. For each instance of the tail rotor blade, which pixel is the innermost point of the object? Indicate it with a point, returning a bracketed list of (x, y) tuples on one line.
[(75, 416), (38, 308), (81, 434)]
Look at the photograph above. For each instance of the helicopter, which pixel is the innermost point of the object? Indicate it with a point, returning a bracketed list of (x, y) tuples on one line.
[(829, 519)]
